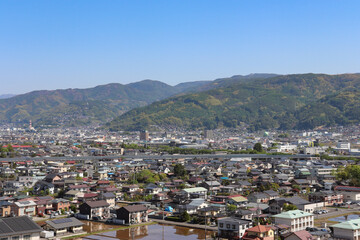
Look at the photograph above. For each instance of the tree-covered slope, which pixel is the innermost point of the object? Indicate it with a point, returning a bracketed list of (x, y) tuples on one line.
[(102, 103), (277, 102)]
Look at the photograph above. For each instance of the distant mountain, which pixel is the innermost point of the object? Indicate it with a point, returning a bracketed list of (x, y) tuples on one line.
[(288, 101), (82, 106), (71, 107), (192, 86), (4, 96)]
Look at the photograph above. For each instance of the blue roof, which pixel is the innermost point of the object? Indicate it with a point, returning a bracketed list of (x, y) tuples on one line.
[(224, 178)]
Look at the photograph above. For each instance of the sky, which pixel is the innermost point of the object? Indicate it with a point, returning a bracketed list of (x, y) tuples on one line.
[(84, 43)]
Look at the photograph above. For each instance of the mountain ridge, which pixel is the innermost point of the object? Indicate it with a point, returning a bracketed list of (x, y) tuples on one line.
[(274, 102), (74, 106)]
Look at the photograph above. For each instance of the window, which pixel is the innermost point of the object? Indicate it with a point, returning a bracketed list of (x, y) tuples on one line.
[(221, 225), (227, 225), (4, 238), (233, 226), (27, 237), (15, 238)]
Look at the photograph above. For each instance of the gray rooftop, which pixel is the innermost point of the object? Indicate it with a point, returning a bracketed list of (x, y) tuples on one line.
[(18, 226)]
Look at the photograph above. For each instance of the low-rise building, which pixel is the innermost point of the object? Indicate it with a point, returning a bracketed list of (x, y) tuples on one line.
[(95, 209), (19, 228), (132, 214), (259, 232), (296, 219), (347, 230), (24, 208), (232, 228), (64, 226)]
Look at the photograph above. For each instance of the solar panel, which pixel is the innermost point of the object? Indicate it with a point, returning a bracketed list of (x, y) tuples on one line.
[(62, 220)]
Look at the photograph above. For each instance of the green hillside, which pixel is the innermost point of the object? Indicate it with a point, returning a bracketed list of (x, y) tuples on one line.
[(281, 102), (82, 106), (71, 107)]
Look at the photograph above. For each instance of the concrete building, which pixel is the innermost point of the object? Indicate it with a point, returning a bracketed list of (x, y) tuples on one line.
[(347, 230), (297, 220)]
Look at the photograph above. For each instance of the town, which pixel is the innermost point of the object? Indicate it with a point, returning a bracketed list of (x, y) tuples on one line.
[(230, 183)]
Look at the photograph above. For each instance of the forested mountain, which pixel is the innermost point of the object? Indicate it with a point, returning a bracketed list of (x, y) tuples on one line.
[(71, 107), (82, 106), (289, 101)]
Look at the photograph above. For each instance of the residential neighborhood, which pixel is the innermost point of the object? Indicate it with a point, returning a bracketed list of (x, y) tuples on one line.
[(288, 193)]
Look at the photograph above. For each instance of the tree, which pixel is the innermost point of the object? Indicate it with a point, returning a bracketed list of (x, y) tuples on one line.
[(73, 208), (258, 147), (231, 208), (185, 217), (350, 173), (10, 148), (179, 170), (289, 207)]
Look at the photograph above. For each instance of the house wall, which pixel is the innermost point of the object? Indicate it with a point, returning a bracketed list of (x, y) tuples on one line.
[(340, 233), (33, 236)]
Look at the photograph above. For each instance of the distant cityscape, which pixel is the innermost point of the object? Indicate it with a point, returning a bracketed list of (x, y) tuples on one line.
[(229, 183)]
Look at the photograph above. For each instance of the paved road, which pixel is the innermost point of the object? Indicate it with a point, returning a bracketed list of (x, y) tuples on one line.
[(340, 211)]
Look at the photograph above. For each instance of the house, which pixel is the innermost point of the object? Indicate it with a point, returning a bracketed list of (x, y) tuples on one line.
[(237, 200), (196, 192), (212, 186), (43, 205), (19, 228), (52, 177), (232, 228), (258, 198), (64, 226), (349, 193), (130, 189), (346, 230), (109, 198), (210, 212), (328, 197), (43, 186), (297, 220), (133, 214), (276, 205), (5, 209), (24, 208), (60, 204), (152, 189), (95, 209), (272, 194), (81, 188), (259, 232), (85, 197), (193, 206), (8, 192), (298, 235)]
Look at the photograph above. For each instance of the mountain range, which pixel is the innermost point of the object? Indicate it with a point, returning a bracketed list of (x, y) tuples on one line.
[(261, 101), (299, 101)]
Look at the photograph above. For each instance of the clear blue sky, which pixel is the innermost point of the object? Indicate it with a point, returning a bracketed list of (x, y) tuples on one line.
[(77, 44)]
